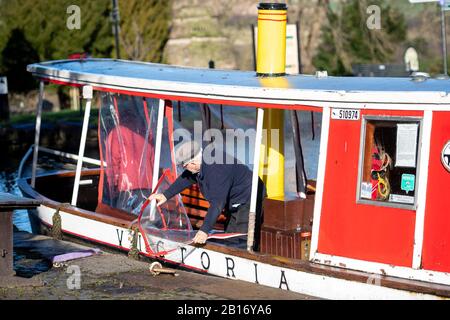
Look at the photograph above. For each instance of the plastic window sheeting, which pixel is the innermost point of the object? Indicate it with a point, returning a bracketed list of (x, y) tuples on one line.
[(168, 221), (167, 159), (244, 119), (127, 131), (239, 131), (243, 148), (189, 112), (239, 144), (310, 139)]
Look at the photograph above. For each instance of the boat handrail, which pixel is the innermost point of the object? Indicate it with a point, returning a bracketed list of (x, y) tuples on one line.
[(24, 159), (56, 153), (71, 156)]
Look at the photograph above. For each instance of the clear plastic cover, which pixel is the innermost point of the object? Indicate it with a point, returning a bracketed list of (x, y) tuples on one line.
[(168, 221), (127, 138), (127, 131)]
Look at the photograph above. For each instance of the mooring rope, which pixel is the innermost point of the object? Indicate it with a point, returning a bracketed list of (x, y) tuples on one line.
[(134, 251), (56, 230), (56, 226)]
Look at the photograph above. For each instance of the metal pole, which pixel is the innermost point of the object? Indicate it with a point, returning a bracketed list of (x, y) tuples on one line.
[(326, 115), (299, 49), (444, 39), (301, 178), (253, 198), (158, 144), (159, 133), (37, 133), (116, 18), (87, 94), (254, 45)]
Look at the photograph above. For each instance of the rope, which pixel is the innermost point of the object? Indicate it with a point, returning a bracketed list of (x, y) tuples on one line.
[(385, 160), (56, 229), (134, 251), (383, 185)]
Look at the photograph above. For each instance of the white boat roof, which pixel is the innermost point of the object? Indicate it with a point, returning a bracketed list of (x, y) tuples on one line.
[(231, 85)]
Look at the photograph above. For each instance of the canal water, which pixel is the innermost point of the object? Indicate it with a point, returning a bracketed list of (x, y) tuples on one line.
[(8, 184), (27, 263)]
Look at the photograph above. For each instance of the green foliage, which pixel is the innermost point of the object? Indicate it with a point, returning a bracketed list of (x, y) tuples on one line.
[(16, 55), (56, 117), (144, 28), (45, 35), (44, 25), (347, 40)]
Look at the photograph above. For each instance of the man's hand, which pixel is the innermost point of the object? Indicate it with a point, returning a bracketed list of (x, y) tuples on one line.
[(159, 197), (200, 237)]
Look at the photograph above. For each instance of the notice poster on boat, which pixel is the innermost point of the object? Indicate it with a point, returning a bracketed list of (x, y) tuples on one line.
[(406, 149), (292, 45), (401, 198), (366, 190)]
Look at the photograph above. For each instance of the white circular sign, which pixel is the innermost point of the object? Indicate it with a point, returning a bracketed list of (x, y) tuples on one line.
[(445, 156)]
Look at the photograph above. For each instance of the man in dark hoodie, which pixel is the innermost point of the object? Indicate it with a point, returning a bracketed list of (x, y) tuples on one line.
[(224, 185)]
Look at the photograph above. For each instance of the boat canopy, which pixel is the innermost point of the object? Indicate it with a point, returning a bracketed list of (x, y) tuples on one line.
[(229, 85)]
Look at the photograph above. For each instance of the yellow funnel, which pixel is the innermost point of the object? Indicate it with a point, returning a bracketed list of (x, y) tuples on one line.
[(270, 63), (271, 54)]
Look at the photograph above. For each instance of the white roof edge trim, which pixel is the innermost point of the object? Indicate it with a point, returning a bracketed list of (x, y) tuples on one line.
[(399, 100)]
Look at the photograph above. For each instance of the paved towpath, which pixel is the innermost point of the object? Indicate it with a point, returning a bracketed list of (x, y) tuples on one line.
[(115, 276)]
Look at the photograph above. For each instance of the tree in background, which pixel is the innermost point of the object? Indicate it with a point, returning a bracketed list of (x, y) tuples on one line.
[(144, 28), (347, 39), (44, 24), (15, 57)]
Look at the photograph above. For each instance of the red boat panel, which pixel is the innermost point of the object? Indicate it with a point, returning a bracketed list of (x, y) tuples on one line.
[(436, 245), (360, 231)]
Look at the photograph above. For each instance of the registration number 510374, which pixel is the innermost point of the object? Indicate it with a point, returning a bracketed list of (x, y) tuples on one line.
[(345, 114)]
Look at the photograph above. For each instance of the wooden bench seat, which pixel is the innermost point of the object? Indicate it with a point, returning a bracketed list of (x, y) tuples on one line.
[(196, 207)]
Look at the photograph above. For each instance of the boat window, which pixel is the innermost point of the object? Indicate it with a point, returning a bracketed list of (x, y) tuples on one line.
[(389, 161), (309, 124), (235, 127), (231, 127)]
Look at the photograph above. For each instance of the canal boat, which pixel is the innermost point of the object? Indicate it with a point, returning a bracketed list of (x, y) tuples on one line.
[(367, 219)]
